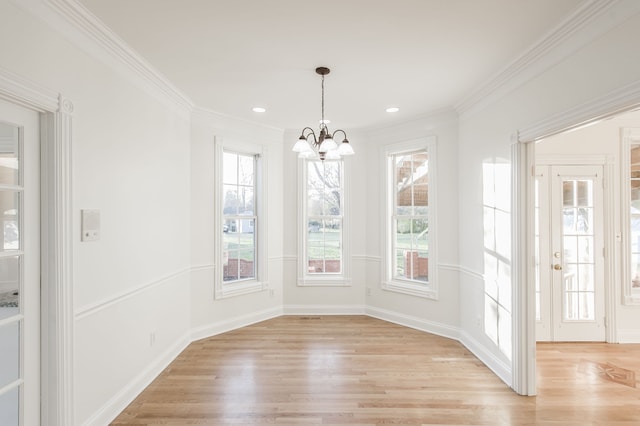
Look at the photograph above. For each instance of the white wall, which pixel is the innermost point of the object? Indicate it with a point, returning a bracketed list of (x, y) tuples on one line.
[(210, 316), (594, 68), (131, 161)]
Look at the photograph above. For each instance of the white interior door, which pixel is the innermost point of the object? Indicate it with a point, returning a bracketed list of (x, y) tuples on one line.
[(19, 266), (570, 242)]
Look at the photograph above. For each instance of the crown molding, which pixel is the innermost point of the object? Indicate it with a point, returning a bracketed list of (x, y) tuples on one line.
[(77, 23), (19, 90), (540, 55)]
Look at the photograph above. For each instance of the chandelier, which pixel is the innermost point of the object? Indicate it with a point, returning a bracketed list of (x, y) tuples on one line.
[(323, 145)]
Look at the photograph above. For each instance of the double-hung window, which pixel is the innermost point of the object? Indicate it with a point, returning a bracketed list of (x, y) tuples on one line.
[(410, 265), (323, 239), (240, 256), (630, 154)]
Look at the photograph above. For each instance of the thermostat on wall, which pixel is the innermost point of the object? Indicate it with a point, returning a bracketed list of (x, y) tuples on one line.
[(90, 225)]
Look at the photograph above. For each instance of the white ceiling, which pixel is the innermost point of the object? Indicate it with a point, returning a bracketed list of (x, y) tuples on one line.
[(419, 55)]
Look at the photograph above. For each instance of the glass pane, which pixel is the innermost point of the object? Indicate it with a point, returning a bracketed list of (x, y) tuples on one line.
[(332, 174), (635, 271), (420, 195), (10, 353), (9, 206), (315, 202), (584, 193), (571, 306), (230, 168), (585, 278), (421, 266), (9, 155), (400, 263), (584, 220), (587, 306), (489, 229), (332, 202), (568, 193), (315, 173), (570, 247), (569, 220), (245, 170), (246, 263), (315, 254), (10, 407), (403, 234), (9, 286), (245, 200), (570, 277), (585, 249), (231, 199)]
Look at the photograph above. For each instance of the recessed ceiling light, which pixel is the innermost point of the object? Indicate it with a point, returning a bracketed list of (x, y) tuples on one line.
[(392, 109), (258, 109)]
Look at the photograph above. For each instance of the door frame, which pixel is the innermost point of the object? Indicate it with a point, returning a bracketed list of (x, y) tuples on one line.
[(56, 242), (608, 240), (623, 99)]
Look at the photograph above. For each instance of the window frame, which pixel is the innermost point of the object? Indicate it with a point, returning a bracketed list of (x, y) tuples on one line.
[(224, 289), (390, 282), (323, 279), (629, 136)]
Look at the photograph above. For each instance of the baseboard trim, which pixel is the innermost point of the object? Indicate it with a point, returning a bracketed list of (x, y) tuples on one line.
[(324, 310), (234, 323), (495, 364), (410, 321), (122, 399), (628, 336)]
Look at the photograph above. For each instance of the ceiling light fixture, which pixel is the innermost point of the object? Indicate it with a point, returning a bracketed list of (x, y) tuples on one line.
[(323, 146), (258, 109), (392, 109)]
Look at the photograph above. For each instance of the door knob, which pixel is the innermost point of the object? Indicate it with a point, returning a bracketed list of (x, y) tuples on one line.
[(557, 267)]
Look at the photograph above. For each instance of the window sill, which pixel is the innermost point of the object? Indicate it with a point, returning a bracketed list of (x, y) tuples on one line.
[(240, 288), (336, 281), (632, 299), (426, 291)]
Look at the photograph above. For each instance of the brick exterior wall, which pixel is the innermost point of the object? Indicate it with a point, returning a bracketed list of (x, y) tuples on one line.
[(231, 269), (420, 265), (330, 266)]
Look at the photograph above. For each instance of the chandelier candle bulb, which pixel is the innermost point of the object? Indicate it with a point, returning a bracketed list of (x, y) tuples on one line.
[(323, 146)]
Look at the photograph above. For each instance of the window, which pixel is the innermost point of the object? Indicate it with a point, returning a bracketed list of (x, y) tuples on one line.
[(323, 223), (410, 240), (631, 215), (240, 255)]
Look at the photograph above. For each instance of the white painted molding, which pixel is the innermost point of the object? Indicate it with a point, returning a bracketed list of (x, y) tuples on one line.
[(116, 404), (471, 273), (203, 267), (597, 109), (96, 307), (522, 68), (84, 29), (324, 310), (421, 324), (494, 363), (17, 90), (629, 336), (219, 327)]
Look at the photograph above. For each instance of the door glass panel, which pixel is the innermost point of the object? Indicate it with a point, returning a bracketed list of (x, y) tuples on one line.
[(10, 354), (578, 241), (9, 155), (9, 407), (9, 205)]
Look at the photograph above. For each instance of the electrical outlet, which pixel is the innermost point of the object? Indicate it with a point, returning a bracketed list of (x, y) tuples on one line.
[(368, 291), (272, 293), (152, 338)]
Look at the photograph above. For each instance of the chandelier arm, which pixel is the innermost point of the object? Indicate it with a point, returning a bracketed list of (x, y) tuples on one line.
[(310, 133), (339, 130)]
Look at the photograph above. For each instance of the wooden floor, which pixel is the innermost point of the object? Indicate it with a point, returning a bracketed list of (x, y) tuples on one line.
[(357, 370)]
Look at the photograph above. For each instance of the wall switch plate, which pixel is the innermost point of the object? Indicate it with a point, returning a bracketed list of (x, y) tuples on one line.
[(90, 225)]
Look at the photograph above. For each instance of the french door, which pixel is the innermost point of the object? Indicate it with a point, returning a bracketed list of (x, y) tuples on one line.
[(19, 266), (570, 245)]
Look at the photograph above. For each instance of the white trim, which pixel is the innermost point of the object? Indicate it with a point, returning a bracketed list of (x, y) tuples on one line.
[(629, 336), (629, 136), (610, 104), (57, 323), (96, 307), (343, 279), (223, 290), (577, 159), (494, 363), (117, 403), (430, 289), (324, 310), (473, 274), (219, 327), (83, 28), (417, 323), (204, 267), (548, 50)]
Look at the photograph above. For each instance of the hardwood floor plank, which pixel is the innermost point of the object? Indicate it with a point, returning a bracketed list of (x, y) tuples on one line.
[(357, 370)]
